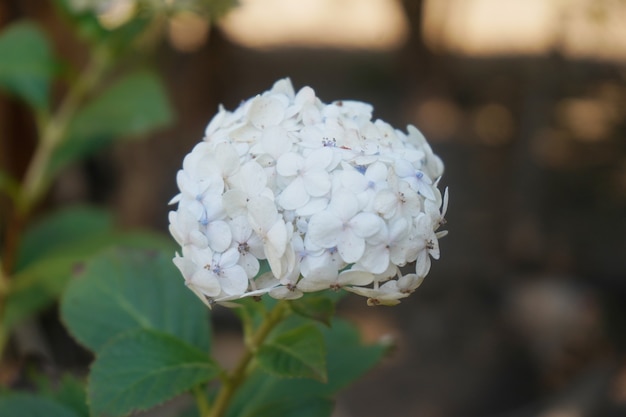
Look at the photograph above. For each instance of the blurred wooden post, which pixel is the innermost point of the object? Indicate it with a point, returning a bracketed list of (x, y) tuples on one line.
[(416, 57)]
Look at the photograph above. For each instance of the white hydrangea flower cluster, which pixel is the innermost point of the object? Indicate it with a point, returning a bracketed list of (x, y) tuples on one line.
[(326, 196)]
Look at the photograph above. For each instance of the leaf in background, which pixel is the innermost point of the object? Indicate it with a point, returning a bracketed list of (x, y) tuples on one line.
[(124, 290), (347, 360), (315, 307), (133, 106), (83, 19), (296, 353), (72, 394), (64, 227), (143, 368), (28, 405), (27, 63), (53, 249)]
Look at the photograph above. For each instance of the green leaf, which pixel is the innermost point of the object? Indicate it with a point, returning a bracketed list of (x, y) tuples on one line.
[(134, 106), (124, 290), (118, 40), (69, 391), (72, 394), (315, 307), (27, 64), (143, 368), (348, 357), (55, 248), (71, 226), (83, 20), (296, 353), (27, 405), (347, 360)]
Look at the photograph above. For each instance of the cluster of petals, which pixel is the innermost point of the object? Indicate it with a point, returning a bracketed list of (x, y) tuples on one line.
[(287, 195)]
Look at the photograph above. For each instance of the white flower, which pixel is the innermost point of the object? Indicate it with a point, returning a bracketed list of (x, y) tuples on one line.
[(425, 244), (248, 244), (322, 194), (307, 177), (390, 292), (388, 246), (343, 226)]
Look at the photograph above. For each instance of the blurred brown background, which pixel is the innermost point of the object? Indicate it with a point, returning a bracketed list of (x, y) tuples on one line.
[(525, 101)]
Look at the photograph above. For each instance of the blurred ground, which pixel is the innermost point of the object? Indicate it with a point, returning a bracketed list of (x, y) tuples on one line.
[(524, 315)]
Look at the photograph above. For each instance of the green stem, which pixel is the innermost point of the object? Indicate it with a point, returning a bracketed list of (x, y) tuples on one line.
[(54, 131), (233, 380), (201, 400), (4, 290)]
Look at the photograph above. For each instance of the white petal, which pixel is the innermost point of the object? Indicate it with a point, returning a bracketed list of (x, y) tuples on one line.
[(319, 158), (275, 244), (240, 229), (175, 199), (308, 285), (410, 282), (262, 214), (277, 237), (234, 280), (226, 158), (245, 134), (252, 177), (305, 95), (385, 203), (353, 180), (284, 293), (375, 259), (404, 168), (355, 277), (314, 205), (250, 264), (185, 266), (422, 264), (229, 258), (216, 122), (266, 111), (199, 239), (444, 208), (376, 171), (235, 203), (365, 224), (350, 246), (219, 235), (344, 204), (266, 281), (317, 183), (324, 229), (206, 282), (289, 164), (276, 141), (294, 195), (283, 86)]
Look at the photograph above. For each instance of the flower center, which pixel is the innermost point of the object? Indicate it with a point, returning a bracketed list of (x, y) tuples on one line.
[(243, 248)]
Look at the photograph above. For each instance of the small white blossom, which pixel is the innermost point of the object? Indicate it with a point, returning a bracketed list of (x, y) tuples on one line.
[(322, 194), (343, 226)]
